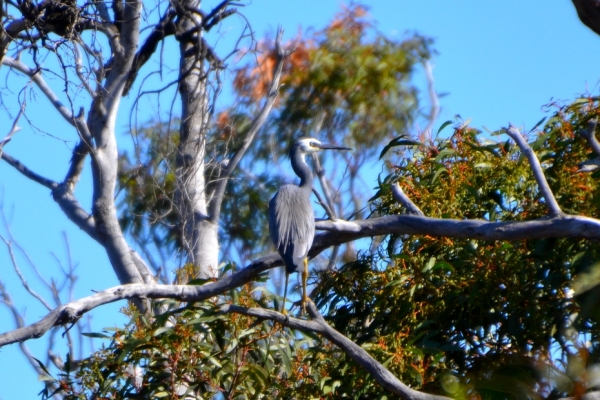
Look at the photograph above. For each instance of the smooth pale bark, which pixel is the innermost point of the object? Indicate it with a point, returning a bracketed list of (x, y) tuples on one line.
[(341, 232), (101, 125), (200, 236)]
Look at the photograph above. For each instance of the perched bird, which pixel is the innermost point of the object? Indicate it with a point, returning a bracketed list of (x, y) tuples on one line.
[(291, 216)]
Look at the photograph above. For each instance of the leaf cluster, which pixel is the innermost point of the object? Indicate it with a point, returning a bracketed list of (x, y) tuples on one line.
[(442, 310)]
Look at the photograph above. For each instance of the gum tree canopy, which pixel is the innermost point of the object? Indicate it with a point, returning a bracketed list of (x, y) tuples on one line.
[(472, 272)]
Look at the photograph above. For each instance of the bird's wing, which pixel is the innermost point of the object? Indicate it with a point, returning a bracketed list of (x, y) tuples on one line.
[(291, 224)]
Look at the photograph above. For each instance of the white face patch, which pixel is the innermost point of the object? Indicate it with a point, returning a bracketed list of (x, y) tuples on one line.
[(308, 145)]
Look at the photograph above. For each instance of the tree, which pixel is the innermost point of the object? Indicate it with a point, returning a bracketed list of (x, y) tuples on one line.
[(218, 334)]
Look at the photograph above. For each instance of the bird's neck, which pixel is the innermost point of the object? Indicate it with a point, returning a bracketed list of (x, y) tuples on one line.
[(302, 170)]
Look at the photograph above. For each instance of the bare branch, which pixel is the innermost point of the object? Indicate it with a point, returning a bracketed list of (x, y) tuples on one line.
[(433, 97), (329, 208), (80, 152), (21, 277), (405, 201), (36, 77), (7, 301), (9, 32), (323, 203), (340, 232), (71, 312), (65, 199), (589, 134), (164, 28), (215, 208), (548, 227), (14, 129), (102, 10), (384, 377), (536, 168), (50, 184), (217, 14), (589, 165), (77, 163)]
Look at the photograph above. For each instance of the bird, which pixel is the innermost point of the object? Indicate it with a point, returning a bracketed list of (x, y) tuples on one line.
[(291, 215)]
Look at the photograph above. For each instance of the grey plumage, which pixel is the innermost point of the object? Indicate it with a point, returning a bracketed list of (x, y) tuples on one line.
[(292, 225), (291, 216)]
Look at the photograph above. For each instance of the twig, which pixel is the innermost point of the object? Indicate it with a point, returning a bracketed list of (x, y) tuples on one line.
[(21, 277), (325, 186), (536, 168), (215, 207), (36, 77), (328, 210), (433, 97), (13, 130), (20, 323)]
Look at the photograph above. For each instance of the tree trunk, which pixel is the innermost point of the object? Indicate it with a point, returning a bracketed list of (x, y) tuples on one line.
[(199, 235), (101, 124)]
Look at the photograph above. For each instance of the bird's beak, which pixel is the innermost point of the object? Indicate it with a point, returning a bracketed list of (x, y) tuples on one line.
[(326, 146)]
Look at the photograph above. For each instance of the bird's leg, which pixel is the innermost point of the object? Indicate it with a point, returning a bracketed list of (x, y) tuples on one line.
[(283, 310), (304, 278)]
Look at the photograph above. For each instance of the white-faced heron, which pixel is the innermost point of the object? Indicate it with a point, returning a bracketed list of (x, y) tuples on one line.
[(291, 216)]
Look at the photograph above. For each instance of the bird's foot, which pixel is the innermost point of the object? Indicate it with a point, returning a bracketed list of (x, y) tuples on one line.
[(303, 304)]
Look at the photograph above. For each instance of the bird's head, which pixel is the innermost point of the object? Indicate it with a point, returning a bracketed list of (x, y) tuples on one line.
[(307, 145)]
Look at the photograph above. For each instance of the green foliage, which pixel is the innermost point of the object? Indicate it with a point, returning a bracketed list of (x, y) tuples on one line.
[(147, 185), (494, 315), (471, 319), (347, 82), (196, 350)]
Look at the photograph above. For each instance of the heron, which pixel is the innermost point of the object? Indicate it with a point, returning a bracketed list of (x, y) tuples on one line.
[(291, 216)]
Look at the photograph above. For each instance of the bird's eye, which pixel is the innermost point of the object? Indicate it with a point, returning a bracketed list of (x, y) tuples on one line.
[(313, 144)]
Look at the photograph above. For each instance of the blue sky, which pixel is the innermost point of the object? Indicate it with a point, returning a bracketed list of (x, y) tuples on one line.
[(498, 62)]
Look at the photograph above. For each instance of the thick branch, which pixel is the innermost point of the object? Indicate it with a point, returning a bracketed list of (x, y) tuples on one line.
[(215, 207), (551, 227), (74, 211), (340, 232), (384, 377), (536, 168), (9, 32), (101, 122), (19, 166), (164, 28), (589, 134), (71, 312)]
